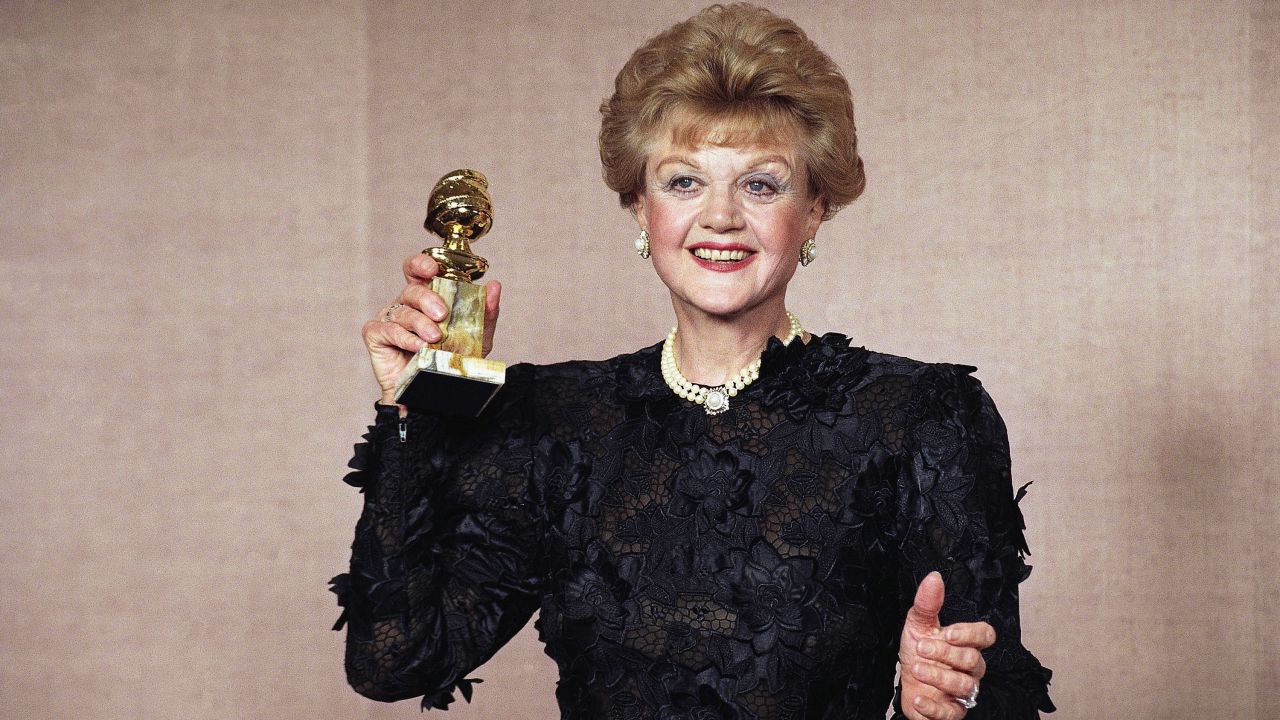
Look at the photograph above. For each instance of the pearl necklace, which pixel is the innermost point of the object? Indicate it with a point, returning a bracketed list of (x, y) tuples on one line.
[(714, 400)]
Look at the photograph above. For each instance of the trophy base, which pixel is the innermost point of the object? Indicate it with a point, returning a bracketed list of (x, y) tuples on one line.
[(446, 383)]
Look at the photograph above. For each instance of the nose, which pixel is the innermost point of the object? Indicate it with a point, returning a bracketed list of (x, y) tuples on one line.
[(720, 209)]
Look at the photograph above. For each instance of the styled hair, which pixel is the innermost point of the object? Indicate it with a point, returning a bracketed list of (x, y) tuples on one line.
[(733, 74)]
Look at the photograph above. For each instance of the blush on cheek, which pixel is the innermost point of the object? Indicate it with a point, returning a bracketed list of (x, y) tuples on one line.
[(668, 226)]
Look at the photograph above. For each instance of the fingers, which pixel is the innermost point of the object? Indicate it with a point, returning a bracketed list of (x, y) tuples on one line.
[(967, 660), (394, 332), (928, 602), (401, 329), (419, 268), (978, 635), (431, 307), (947, 681), (949, 671), (947, 662), (492, 303), (935, 709), (492, 300), (414, 321), (383, 334)]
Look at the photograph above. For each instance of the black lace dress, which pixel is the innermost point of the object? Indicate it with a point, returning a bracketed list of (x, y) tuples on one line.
[(754, 564)]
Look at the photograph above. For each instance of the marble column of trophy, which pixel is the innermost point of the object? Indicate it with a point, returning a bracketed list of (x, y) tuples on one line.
[(450, 377)]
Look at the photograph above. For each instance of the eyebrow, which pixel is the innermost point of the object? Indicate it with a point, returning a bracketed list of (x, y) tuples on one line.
[(675, 160), (755, 162)]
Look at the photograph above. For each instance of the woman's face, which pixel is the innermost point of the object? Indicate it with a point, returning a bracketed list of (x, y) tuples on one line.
[(726, 223)]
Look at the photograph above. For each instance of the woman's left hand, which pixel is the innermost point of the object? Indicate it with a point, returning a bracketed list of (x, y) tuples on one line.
[(939, 664)]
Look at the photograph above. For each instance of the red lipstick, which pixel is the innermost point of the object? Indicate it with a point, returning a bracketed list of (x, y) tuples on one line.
[(721, 265)]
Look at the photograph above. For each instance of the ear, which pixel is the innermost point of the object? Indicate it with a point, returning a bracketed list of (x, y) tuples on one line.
[(816, 213), (638, 211)]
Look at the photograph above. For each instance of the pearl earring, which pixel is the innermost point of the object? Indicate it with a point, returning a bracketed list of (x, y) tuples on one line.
[(808, 252), (642, 244)]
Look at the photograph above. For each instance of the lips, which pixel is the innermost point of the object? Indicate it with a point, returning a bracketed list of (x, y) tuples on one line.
[(722, 258)]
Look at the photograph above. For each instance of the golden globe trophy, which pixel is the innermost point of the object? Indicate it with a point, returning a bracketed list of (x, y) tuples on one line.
[(451, 377)]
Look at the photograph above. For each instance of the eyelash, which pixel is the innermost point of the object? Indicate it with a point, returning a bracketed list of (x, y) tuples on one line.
[(673, 185), (771, 187)]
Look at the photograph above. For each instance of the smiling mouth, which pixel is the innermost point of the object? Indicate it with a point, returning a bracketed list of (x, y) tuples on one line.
[(720, 256)]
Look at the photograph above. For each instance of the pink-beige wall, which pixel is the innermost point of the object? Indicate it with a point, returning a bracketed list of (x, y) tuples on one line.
[(202, 202)]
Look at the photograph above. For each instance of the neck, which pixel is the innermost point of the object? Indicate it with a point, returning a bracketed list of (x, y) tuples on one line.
[(712, 349)]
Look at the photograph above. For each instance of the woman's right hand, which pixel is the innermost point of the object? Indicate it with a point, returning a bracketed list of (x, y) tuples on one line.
[(408, 324)]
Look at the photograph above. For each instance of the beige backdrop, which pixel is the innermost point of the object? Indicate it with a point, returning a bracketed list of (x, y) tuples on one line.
[(203, 201)]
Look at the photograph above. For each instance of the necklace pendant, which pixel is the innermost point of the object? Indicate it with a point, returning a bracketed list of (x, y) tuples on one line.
[(714, 400), (717, 401)]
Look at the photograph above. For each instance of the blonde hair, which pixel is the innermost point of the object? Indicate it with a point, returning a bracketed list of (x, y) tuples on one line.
[(733, 74)]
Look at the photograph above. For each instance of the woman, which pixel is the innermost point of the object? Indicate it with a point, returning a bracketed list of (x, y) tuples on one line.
[(744, 521)]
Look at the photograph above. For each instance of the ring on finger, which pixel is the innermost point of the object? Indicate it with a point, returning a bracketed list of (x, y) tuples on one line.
[(386, 316), (970, 701)]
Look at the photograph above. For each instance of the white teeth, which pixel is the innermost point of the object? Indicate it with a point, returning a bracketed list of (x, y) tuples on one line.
[(720, 255)]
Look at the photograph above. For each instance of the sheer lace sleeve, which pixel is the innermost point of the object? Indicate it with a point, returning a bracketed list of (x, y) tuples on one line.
[(957, 514), (445, 563)]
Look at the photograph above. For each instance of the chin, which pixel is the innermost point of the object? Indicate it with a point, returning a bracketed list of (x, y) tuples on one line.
[(726, 307)]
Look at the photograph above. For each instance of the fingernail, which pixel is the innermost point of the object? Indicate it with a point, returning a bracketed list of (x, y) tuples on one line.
[(927, 647), (919, 701)]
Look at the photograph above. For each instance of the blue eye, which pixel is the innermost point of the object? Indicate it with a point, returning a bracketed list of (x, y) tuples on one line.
[(683, 182), (760, 186)]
